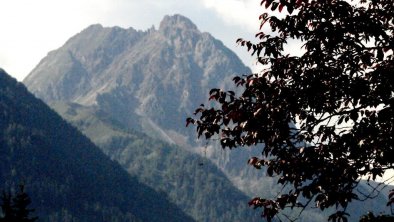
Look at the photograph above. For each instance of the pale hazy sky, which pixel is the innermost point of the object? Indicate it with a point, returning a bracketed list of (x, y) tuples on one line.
[(30, 29)]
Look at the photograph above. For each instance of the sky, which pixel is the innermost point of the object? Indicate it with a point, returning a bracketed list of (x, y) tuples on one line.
[(30, 29)]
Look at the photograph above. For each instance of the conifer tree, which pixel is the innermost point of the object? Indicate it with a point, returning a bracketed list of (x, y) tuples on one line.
[(6, 207), (21, 201), (15, 209)]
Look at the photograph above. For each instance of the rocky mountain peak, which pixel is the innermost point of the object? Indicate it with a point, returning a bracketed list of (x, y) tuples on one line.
[(154, 77), (94, 28), (176, 22)]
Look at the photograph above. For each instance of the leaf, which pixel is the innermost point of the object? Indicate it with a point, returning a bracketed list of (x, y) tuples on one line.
[(290, 9), (274, 6), (379, 54), (260, 35), (214, 91), (340, 120), (248, 45), (263, 16), (268, 3), (354, 116), (391, 194), (298, 3), (281, 7), (390, 202), (189, 120), (253, 160), (198, 110), (270, 171)]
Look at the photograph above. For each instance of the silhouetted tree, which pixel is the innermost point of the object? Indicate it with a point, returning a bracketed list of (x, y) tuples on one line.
[(15, 209), (324, 118), (6, 207)]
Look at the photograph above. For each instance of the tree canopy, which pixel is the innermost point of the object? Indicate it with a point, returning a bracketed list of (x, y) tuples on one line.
[(323, 119)]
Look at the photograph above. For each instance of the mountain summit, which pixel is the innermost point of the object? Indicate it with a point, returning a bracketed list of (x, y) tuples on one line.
[(177, 22), (150, 80)]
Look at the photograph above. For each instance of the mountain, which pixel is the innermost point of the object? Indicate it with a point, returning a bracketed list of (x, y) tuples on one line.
[(150, 81), (67, 177)]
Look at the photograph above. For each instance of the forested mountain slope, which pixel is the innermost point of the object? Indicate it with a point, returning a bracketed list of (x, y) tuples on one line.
[(192, 182), (67, 177)]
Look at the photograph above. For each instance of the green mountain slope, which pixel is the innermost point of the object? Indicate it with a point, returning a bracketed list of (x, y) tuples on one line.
[(66, 175), (192, 182)]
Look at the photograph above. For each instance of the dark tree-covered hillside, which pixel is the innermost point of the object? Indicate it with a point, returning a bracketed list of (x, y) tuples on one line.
[(67, 176), (190, 181), (324, 119)]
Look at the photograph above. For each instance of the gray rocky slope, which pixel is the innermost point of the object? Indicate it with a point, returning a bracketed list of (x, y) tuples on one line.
[(149, 80)]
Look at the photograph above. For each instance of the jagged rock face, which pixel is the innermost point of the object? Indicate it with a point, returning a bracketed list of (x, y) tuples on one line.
[(152, 80), (76, 69)]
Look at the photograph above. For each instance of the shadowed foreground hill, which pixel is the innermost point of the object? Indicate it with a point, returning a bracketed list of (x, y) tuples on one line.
[(67, 176)]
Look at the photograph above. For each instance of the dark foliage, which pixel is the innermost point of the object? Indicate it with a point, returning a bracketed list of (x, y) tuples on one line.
[(370, 217), (325, 118), (6, 207), (15, 207)]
